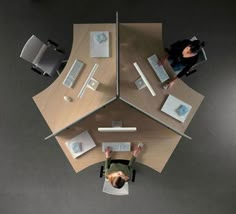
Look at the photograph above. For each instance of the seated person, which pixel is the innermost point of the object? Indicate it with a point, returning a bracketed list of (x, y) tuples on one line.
[(118, 173), (182, 55)]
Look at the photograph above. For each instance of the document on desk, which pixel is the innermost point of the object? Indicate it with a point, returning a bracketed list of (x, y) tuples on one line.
[(172, 106), (99, 44), (80, 144)]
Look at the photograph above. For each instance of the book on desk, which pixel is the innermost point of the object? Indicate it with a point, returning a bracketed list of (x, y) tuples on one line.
[(99, 44)]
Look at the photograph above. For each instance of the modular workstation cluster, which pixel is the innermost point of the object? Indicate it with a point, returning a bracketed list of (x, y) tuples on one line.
[(110, 91)]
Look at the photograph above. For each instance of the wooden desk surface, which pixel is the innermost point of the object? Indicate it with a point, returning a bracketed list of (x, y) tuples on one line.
[(59, 113), (159, 142), (137, 43)]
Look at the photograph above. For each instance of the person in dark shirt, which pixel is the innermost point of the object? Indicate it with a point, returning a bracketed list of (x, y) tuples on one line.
[(118, 173), (182, 55)]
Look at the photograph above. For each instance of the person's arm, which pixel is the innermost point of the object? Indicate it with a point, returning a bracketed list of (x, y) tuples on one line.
[(191, 61), (131, 162), (179, 75), (170, 83), (108, 160), (135, 154), (107, 165), (163, 59)]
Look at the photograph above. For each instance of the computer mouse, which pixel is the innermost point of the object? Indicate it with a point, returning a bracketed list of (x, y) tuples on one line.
[(68, 99)]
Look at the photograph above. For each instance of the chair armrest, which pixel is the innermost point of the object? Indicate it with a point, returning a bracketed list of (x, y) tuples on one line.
[(191, 72), (101, 171), (133, 175), (60, 50), (35, 69), (52, 43)]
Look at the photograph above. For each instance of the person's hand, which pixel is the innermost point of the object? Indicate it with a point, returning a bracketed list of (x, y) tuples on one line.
[(162, 60), (137, 150), (170, 84), (108, 152)]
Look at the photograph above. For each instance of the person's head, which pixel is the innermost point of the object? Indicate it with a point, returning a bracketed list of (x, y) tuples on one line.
[(117, 179), (195, 46)]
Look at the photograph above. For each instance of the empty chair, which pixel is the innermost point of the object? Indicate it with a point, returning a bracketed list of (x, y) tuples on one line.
[(45, 58)]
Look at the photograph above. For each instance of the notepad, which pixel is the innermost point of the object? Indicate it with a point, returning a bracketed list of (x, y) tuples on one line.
[(80, 144), (99, 44), (172, 104)]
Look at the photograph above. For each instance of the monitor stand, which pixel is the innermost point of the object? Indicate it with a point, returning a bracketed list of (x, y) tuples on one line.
[(93, 84), (140, 84)]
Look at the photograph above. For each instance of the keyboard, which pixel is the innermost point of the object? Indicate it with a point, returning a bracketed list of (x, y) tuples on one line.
[(73, 73), (159, 69), (117, 146)]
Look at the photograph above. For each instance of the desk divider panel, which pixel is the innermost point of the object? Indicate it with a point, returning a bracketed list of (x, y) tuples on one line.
[(159, 142), (157, 120), (57, 112), (117, 57), (77, 121), (138, 41)]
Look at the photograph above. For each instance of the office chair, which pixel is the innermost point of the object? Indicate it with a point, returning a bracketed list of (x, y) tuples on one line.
[(46, 59), (108, 188)]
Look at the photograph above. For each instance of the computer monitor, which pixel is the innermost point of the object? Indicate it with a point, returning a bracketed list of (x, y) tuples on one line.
[(142, 82), (117, 127), (90, 82)]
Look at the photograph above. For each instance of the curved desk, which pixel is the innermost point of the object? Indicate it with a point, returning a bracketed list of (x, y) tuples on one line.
[(137, 43), (60, 114), (134, 108)]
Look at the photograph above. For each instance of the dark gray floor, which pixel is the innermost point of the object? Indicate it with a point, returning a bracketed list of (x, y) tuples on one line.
[(36, 176)]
